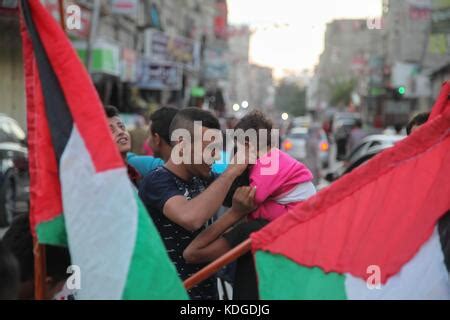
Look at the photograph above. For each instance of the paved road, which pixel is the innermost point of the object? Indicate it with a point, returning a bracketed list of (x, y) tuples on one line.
[(2, 232)]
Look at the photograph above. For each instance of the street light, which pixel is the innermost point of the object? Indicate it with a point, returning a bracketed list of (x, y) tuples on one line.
[(236, 107), (245, 104), (285, 116)]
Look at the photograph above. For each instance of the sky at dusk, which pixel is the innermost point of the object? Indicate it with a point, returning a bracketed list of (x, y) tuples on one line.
[(289, 34)]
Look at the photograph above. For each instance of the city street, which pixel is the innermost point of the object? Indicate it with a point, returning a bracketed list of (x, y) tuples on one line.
[(112, 116)]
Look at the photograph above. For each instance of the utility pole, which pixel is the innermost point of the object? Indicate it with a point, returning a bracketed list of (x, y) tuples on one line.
[(426, 44), (92, 34)]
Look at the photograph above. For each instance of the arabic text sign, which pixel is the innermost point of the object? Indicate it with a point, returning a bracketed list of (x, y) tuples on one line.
[(165, 48), (159, 76)]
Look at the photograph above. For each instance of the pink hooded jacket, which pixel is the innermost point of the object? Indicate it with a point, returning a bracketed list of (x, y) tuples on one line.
[(274, 180)]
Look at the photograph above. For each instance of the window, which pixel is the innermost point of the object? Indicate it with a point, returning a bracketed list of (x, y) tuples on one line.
[(358, 152), (374, 144), (298, 136), (17, 132)]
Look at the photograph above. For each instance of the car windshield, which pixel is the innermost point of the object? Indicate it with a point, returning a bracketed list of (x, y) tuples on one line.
[(345, 122), (298, 136), (10, 132)]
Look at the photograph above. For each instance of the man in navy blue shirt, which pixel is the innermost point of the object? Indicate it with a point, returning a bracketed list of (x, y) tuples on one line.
[(181, 198)]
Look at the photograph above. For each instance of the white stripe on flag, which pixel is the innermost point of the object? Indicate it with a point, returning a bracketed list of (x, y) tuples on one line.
[(424, 277), (100, 214)]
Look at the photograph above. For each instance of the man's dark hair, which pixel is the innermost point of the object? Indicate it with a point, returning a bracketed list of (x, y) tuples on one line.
[(19, 241), (418, 120), (111, 111), (185, 119), (358, 124), (161, 120), (9, 274), (258, 121)]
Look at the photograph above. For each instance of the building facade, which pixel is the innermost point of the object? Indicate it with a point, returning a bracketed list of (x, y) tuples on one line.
[(349, 46), (143, 55), (390, 58), (12, 88)]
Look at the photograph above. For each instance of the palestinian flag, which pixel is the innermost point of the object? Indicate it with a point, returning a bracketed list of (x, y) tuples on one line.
[(381, 232), (80, 192)]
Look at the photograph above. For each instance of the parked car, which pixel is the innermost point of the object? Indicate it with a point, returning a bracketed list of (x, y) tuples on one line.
[(295, 143), (297, 138), (301, 122), (366, 150), (14, 178)]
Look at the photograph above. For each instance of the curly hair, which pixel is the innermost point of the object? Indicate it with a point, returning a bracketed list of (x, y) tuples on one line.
[(256, 120)]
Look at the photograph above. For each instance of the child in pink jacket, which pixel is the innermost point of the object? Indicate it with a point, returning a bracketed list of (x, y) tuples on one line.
[(281, 181), (278, 193)]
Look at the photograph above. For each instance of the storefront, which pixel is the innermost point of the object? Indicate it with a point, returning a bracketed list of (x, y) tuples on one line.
[(106, 70), (215, 73), (11, 64), (169, 69), (113, 66)]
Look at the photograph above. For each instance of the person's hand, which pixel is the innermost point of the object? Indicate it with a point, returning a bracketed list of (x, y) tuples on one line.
[(244, 201), (244, 156)]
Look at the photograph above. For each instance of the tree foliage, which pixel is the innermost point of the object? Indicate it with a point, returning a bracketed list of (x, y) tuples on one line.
[(291, 98), (341, 91)]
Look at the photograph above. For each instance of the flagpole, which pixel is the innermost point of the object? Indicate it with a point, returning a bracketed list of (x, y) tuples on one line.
[(62, 17), (40, 270), (39, 252), (92, 34), (215, 266)]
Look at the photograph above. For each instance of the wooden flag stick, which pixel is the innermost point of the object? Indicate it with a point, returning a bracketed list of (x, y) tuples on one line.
[(62, 16), (40, 270), (215, 266)]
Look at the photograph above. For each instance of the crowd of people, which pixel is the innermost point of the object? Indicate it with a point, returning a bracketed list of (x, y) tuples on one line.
[(201, 209)]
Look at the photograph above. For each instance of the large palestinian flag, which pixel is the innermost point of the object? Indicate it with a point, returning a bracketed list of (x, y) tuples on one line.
[(381, 232), (80, 192)]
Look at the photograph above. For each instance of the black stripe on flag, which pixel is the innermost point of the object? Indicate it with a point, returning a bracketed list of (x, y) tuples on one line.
[(57, 110), (444, 234)]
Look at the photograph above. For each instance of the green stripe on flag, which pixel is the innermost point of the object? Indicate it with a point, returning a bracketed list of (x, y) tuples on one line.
[(282, 279), (152, 275), (52, 232)]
